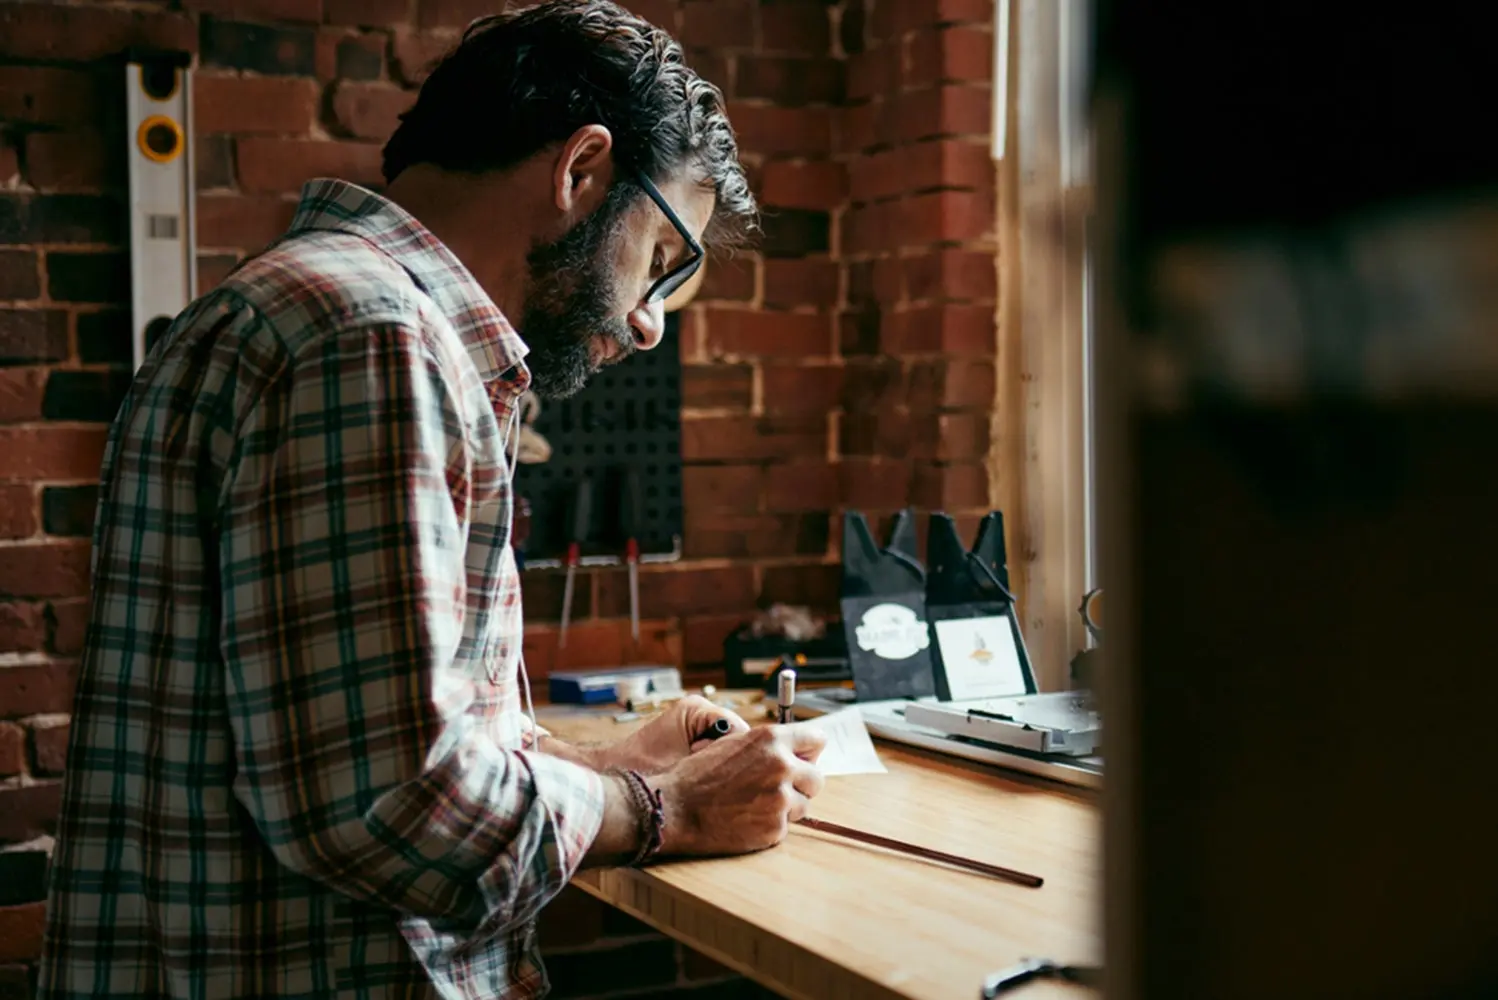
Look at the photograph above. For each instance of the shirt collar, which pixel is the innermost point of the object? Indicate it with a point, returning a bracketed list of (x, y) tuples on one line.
[(496, 349)]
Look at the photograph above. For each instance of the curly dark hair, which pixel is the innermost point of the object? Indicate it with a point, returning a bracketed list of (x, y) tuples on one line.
[(527, 78)]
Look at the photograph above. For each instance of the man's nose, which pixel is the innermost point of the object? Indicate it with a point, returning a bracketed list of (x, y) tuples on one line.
[(649, 323)]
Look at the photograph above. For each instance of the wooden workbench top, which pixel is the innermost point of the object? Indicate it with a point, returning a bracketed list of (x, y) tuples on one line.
[(821, 918)]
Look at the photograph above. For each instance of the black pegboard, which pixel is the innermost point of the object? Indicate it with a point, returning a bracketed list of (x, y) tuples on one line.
[(629, 413)]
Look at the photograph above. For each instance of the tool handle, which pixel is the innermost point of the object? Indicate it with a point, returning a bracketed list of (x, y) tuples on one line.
[(582, 511), (631, 506)]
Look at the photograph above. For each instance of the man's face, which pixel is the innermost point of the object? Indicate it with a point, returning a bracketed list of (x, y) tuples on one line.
[(584, 305)]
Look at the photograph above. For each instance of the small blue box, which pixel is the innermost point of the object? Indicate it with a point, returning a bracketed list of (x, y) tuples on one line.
[(596, 687)]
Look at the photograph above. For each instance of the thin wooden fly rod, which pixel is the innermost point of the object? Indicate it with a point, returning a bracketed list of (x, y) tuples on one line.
[(968, 864)]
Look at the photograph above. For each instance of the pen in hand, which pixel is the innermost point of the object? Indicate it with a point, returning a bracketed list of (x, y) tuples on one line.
[(719, 729)]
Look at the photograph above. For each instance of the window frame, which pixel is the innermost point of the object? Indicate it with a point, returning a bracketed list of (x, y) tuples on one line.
[(1041, 464)]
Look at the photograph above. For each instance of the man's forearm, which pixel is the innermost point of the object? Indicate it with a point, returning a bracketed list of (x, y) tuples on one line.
[(621, 833), (619, 836), (589, 755)]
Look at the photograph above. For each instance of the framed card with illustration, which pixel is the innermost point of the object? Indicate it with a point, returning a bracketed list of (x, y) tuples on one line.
[(980, 654)]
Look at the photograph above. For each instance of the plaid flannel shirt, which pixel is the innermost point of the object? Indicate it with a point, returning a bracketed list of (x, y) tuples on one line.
[(298, 764)]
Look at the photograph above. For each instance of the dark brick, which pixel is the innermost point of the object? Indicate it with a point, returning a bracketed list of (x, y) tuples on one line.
[(23, 627), (717, 24), (214, 166), (28, 336), (673, 593), (853, 27), (48, 94), (800, 388), (77, 159), (791, 282), (23, 876), (35, 688), (886, 435), (640, 965), (367, 13), (61, 218), (29, 811), (713, 488), (770, 131), (413, 54), (10, 162), (104, 338), (453, 13), (858, 332), (49, 743), (872, 385), (18, 275), (730, 278), (67, 623), (258, 10), (17, 982), (369, 110), (17, 511), (88, 277), (802, 27), (542, 593), (661, 13), (81, 33), (712, 66), (69, 510), (21, 391), (802, 486), (789, 81), (257, 47), (87, 396), (358, 59), (214, 268), (815, 587), (795, 232), (717, 387), (718, 535)]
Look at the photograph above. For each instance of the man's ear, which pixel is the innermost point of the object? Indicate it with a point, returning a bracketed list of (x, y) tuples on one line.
[(584, 170)]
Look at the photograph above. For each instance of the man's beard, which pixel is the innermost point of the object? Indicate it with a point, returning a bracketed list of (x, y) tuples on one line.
[(570, 300)]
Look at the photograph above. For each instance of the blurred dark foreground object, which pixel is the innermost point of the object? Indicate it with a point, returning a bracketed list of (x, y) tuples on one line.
[(1298, 365)]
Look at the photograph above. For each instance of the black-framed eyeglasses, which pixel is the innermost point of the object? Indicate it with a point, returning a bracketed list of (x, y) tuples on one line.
[(673, 279)]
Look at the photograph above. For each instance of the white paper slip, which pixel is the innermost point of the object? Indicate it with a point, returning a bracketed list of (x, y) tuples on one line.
[(849, 748)]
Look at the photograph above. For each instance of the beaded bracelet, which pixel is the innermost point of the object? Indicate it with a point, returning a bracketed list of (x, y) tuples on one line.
[(651, 813)]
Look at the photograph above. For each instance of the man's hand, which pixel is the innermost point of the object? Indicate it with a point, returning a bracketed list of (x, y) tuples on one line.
[(668, 738), (742, 792)]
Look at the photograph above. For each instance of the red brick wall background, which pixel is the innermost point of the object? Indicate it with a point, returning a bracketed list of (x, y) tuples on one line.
[(847, 363)]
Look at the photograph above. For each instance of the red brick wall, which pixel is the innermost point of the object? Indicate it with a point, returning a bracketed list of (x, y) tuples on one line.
[(847, 363)]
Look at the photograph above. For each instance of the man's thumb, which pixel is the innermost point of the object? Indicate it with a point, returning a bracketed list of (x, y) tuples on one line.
[(807, 740)]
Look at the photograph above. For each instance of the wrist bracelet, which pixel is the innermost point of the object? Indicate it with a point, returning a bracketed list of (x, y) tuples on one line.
[(651, 813)]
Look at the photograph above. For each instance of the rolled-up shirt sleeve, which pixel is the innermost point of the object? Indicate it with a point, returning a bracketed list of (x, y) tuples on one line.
[(344, 528)]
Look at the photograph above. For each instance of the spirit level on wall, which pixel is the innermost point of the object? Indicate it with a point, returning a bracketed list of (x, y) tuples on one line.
[(163, 252)]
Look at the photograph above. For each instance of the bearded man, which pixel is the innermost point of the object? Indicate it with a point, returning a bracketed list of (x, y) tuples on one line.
[(301, 761)]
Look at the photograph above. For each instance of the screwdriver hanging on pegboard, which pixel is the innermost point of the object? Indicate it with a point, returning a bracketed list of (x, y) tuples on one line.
[(631, 516), (582, 499)]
